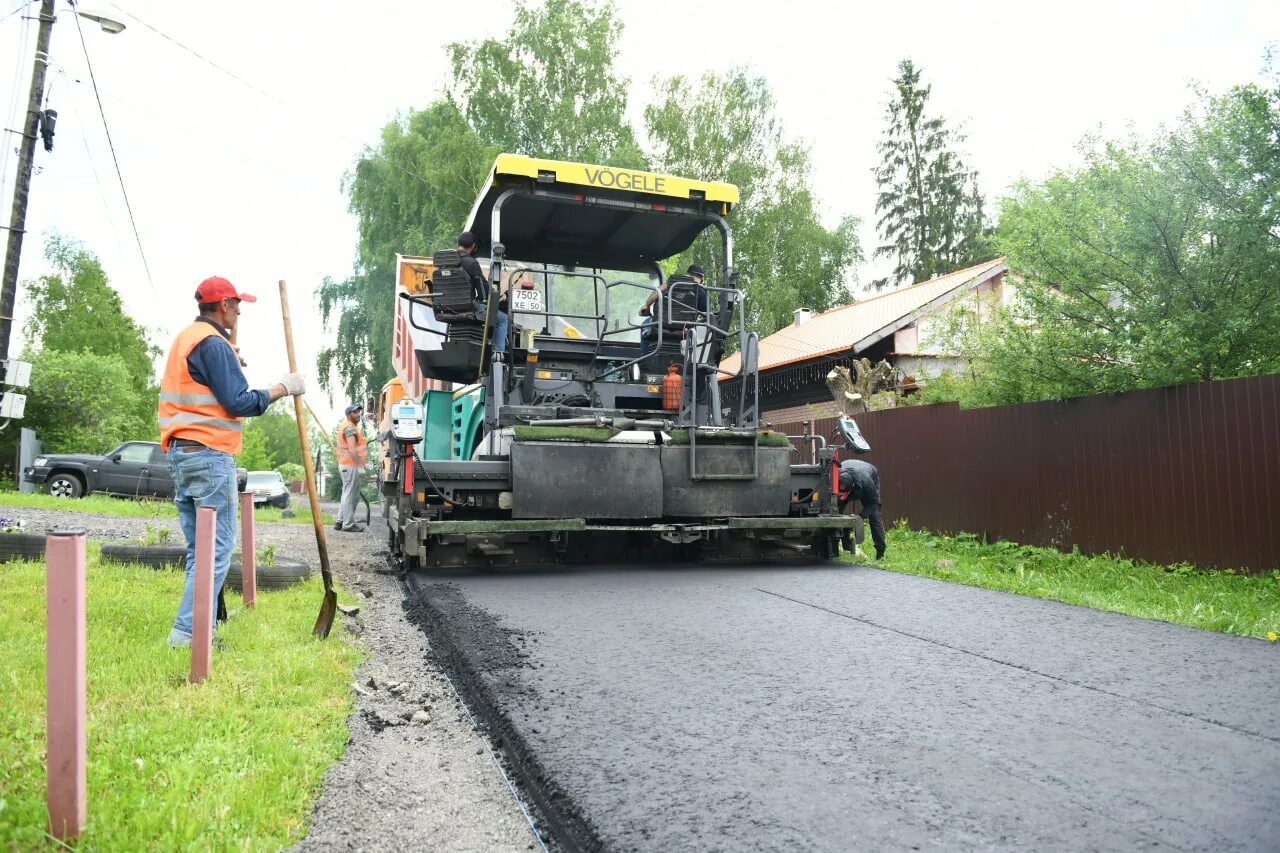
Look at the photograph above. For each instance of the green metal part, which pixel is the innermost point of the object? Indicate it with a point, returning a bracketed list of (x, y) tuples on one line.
[(530, 432), (768, 438), (438, 436), (467, 418)]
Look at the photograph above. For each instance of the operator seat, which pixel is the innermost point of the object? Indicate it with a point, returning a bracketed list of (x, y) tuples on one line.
[(679, 308), (459, 357)]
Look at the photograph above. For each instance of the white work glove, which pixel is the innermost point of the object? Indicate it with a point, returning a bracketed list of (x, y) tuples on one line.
[(294, 383)]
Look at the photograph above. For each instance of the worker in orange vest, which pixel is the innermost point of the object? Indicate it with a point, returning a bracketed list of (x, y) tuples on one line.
[(353, 453), (204, 399)]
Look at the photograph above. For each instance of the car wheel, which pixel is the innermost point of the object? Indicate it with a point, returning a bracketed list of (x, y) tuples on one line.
[(65, 486), (282, 503)]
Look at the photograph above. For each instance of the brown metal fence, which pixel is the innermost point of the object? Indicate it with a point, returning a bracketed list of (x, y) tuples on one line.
[(1187, 473)]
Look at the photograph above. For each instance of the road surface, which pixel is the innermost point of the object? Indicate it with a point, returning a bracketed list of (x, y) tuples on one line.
[(841, 708)]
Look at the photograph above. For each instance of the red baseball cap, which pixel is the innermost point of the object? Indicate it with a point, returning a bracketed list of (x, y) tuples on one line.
[(216, 288)]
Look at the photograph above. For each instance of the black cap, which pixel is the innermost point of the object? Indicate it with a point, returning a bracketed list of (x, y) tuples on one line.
[(694, 269), (466, 239)]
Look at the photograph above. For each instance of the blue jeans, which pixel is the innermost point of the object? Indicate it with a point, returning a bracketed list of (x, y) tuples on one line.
[(500, 326), (203, 477), (500, 332)]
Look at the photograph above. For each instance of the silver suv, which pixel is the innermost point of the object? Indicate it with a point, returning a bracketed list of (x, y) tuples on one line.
[(268, 488)]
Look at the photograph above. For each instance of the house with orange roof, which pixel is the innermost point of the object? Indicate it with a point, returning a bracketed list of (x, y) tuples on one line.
[(795, 360)]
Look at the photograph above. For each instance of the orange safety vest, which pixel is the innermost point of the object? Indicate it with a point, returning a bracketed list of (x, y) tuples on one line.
[(348, 457), (188, 409)]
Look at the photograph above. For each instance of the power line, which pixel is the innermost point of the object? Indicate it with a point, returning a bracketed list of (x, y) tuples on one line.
[(199, 56), (288, 106), (21, 7), (11, 115), (110, 144), (97, 179)]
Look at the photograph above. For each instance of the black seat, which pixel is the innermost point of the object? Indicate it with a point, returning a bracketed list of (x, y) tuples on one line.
[(460, 356), (681, 302), (451, 294)]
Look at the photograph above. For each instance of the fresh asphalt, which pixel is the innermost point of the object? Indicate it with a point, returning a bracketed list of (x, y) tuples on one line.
[(846, 708)]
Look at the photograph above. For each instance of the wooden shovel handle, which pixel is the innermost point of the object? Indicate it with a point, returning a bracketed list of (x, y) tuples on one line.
[(321, 543)]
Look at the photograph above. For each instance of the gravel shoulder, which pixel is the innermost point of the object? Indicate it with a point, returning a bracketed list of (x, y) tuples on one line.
[(416, 774)]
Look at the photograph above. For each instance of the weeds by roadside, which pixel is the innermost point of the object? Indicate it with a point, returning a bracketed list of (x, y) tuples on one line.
[(230, 764), (1229, 602), (142, 507)]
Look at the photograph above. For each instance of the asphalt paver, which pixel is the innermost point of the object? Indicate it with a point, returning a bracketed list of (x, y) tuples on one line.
[(840, 708)]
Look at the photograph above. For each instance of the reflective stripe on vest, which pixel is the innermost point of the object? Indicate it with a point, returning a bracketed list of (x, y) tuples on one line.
[(346, 457), (189, 409)]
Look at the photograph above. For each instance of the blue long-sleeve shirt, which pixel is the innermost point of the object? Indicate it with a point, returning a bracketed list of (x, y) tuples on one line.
[(214, 363)]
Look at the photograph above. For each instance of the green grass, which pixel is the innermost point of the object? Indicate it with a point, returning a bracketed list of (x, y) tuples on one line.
[(96, 504), (233, 763), (141, 508), (1230, 602)]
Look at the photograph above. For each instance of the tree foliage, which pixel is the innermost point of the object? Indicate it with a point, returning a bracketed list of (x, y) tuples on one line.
[(410, 195), (93, 380), (931, 218), (271, 439), (549, 88), (1155, 263), (83, 402), (724, 128)]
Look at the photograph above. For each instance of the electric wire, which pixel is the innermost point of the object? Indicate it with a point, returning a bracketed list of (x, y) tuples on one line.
[(114, 159), (97, 179), (290, 107), (21, 7), (11, 114)]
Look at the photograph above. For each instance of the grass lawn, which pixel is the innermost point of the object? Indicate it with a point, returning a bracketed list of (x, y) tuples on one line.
[(233, 763), (142, 508), (1232, 603)]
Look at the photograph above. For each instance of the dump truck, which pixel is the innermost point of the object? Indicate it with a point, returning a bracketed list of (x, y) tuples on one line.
[(602, 427)]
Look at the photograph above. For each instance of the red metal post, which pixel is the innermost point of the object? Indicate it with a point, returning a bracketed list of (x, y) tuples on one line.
[(64, 673), (248, 552), (202, 613)]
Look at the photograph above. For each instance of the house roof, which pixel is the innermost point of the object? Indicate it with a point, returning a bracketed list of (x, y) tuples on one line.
[(863, 323)]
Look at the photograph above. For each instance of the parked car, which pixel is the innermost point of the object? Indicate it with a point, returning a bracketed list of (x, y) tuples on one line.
[(268, 488), (135, 469)]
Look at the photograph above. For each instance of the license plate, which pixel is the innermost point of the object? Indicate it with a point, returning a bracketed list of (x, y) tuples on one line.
[(526, 300)]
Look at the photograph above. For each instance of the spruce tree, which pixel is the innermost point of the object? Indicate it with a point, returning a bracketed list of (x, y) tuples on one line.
[(930, 212)]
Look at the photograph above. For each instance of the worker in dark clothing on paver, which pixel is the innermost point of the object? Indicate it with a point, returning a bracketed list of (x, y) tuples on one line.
[(860, 481), (480, 288)]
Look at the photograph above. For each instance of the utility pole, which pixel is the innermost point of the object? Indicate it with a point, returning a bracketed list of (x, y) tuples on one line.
[(22, 186)]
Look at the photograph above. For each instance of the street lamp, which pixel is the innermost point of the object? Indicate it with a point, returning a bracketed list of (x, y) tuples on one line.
[(26, 154)]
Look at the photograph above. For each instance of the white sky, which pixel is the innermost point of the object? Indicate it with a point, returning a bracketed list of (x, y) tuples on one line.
[(227, 180)]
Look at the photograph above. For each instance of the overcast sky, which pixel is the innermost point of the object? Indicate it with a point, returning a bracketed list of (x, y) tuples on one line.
[(242, 179)]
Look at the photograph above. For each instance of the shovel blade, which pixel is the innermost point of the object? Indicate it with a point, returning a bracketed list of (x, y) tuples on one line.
[(328, 609)]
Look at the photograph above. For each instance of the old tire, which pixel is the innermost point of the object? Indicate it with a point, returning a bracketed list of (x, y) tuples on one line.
[(155, 556), (21, 546), (285, 573), (65, 485)]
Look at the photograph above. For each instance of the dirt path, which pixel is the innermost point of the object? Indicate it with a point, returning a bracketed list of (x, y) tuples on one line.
[(416, 774)]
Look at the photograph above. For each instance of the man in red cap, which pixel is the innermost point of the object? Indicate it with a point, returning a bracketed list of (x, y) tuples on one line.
[(204, 399)]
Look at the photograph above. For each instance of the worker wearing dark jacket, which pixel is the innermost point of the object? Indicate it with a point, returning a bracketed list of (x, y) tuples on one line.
[(860, 481), (467, 244)]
